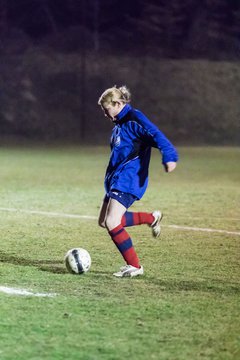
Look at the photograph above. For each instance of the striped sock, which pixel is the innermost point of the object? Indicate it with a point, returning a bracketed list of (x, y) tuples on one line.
[(136, 218), (124, 244)]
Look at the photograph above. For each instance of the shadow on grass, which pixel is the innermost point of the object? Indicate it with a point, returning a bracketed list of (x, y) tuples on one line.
[(212, 285), (170, 285), (53, 266)]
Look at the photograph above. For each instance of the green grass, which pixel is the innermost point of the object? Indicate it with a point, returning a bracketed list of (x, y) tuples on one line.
[(185, 307)]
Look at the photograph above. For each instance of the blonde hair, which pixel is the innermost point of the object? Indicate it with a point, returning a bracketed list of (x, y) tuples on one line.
[(114, 94)]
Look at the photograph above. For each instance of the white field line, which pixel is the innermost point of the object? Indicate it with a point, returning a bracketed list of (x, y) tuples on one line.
[(207, 217), (14, 291), (49, 213), (89, 217), (202, 229)]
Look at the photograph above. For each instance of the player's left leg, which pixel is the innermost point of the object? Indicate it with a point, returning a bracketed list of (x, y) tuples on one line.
[(122, 239)]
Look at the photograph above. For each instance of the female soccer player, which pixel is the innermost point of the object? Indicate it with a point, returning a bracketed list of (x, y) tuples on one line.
[(126, 177)]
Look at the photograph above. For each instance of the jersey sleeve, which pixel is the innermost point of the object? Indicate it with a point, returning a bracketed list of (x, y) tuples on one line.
[(154, 137)]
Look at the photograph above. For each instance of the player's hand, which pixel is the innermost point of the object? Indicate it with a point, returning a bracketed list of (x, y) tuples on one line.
[(170, 166)]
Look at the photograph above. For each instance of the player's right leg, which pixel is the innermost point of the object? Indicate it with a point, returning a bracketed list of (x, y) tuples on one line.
[(138, 218), (155, 226), (103, 212)]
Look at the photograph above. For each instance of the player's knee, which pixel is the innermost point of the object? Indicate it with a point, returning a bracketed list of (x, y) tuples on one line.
[(111, 222)]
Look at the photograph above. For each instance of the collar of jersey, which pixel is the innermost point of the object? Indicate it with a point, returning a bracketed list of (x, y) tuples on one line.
[(120, 117)]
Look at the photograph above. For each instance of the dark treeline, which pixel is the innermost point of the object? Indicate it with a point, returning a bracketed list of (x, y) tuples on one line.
[(176, 28), (180, 58)]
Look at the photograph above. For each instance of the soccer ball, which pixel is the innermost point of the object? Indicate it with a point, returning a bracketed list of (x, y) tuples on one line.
[(78, 261)]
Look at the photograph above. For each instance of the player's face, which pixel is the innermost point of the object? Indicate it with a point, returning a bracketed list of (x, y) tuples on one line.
[(111, 111)]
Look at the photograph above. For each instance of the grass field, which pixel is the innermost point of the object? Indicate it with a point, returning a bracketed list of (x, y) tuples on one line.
[(187, 304)]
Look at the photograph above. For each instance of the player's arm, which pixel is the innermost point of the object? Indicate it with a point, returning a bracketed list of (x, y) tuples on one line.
[(157, 139)]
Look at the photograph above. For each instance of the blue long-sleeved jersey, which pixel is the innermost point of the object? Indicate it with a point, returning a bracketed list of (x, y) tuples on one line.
[(132, 138)]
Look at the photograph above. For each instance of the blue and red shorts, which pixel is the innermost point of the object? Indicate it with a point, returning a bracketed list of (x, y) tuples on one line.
[(123, 198)]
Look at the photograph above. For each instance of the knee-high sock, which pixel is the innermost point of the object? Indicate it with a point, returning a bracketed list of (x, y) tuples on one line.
[(124, 244), (136, 218)]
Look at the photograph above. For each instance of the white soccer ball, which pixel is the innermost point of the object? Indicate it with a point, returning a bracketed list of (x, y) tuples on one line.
[(78, 261)]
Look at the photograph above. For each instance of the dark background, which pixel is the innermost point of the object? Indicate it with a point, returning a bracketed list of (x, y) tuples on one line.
[(179, 58)]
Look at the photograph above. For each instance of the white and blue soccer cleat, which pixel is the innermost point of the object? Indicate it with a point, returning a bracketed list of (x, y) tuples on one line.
[(156, 228)]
